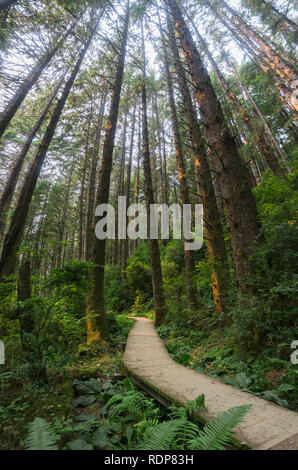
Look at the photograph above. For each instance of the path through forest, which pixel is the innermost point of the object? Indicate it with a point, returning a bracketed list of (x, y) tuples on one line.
[(147, 362)]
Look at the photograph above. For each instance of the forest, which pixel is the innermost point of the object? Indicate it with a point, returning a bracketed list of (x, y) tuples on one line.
[(169, 103)]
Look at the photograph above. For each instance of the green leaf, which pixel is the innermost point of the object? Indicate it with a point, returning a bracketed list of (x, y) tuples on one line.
[(83, 400), (40, 436), (243, 380), (129, 433), (87, 387), (219, 432), (79, 444), (272, 395)]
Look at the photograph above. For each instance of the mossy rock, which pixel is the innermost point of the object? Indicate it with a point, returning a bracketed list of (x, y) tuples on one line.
[(67, 389), (93, 349)]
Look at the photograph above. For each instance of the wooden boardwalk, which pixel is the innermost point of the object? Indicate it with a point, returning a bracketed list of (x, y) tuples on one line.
[(146, 360)]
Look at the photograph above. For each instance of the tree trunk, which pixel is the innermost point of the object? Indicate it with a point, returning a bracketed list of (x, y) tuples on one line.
[(182, 177), (8, 190), (283, 68), (30, 80), (128, 178), (96, 321), (158, 294), (15, 232), (272, 162), (81, 196), (92, 185), (213, 228), (239, 202), (235, 104), (260, 58)]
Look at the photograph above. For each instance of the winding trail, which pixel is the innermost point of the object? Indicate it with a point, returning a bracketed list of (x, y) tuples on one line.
[(147, 362)]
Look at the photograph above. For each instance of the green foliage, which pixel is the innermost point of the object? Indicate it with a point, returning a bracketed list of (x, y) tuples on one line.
[(219, 432), (150, 428), (40, 436), (139, 277), (119, 295), (162, 435), (272, 313)]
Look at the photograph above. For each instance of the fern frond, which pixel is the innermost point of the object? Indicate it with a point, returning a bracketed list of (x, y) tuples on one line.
[(40, 436), (145, 426), (187, 432), (160, 437), (218, 432), (132, 401)]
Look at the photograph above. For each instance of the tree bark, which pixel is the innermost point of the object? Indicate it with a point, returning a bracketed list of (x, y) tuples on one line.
[(92, 185), (96, 321), (182, 178), (9, 188), (30, 80), (128, 179), (213, 228), (15, 232), (158, 294), (239, 202), (81, 233)]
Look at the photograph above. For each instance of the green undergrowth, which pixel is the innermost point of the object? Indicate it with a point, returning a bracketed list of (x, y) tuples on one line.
[(214, 351), (117, 415), (21, 399)]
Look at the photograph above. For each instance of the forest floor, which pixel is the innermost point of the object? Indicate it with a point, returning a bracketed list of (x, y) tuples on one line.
[(72, 417)]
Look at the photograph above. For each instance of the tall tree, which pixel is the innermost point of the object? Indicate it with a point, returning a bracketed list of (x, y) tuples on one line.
[(281, 65), (127, 191), (14, 235), (182, 177), (239, 202), (9, 187), (6, 3), (272, 156), (96, 321), (275, 18), (213, 227), (92, 184), (158, 294), (21, 93)]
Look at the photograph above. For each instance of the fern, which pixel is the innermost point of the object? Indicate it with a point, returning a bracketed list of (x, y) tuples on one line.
[(132, 402), (40, 436), (219, 432), (160, 437), (145, 426), (190, 409), (182, 434), (186, 433)]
